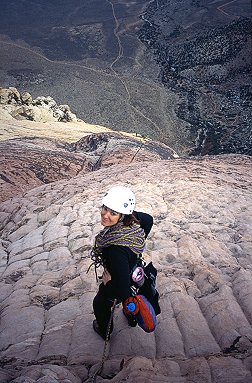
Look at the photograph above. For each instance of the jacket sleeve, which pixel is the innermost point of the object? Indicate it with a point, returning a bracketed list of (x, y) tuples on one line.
[(146, 221), (119, 268)]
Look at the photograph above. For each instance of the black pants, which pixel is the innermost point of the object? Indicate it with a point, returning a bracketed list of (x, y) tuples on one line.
[(102, 304)]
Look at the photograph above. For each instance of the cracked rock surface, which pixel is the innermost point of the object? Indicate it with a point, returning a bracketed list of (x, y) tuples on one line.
[(200, 243)]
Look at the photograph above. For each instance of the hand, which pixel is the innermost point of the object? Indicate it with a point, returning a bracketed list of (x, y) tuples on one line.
[(106, 277)]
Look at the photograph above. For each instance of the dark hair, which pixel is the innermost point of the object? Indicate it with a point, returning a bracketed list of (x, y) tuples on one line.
[(129, 219)]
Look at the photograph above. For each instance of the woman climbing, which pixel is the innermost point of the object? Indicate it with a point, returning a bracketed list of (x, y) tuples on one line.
[(118, 247)]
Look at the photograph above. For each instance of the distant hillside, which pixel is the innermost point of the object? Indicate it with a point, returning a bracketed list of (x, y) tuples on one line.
[(176, 72)]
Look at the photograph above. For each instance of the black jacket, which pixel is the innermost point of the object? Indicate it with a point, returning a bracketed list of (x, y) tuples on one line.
[(120, 260)]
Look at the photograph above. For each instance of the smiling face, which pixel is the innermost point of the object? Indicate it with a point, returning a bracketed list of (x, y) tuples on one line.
[(109, 217)]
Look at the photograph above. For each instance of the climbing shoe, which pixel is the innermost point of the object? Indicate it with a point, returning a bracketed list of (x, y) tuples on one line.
[(98, 330)]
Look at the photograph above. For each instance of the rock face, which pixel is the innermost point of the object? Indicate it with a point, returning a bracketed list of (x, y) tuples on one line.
[(42, 109), (28, 159), (200, 244)]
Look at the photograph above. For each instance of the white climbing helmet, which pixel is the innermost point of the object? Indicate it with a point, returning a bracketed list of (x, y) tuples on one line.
[(120, 199)]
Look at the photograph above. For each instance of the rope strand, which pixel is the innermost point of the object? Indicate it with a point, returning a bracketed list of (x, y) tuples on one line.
[(92, 379)]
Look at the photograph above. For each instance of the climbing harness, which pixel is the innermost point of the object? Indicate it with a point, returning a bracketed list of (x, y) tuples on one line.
[(92, 379), (96, 255), (97, 262)]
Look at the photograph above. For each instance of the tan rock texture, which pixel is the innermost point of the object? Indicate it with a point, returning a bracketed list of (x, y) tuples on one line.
[(201, 245), (23, 107)]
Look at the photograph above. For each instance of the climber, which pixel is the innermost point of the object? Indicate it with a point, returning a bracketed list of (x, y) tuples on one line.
[(118, 246)]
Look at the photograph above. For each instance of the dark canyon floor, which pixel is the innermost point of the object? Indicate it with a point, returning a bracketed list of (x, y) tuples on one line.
[(175, 71)]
